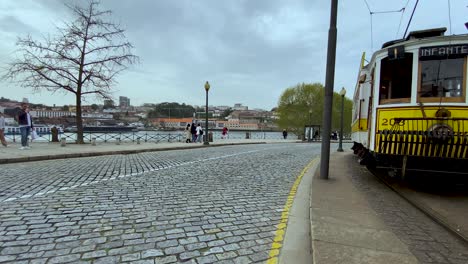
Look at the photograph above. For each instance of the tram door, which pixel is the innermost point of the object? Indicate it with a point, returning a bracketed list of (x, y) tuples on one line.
[(370, 129)]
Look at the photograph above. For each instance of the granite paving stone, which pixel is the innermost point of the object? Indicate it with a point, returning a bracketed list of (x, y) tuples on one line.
[(196, 206), (426, 240)]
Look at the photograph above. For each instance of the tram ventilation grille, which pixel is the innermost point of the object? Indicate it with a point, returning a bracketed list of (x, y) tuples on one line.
[(426, 137)]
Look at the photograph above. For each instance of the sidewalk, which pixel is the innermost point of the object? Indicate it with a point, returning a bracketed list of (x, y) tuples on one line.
[(344, 228), (47, 151)]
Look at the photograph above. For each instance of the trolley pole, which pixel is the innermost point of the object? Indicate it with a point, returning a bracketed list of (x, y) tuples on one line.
[(328, 100)]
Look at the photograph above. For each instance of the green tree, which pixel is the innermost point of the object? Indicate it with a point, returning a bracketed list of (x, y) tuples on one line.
[(109, 104), (94, 107), (226, 113), (172, 110), (302, 104)]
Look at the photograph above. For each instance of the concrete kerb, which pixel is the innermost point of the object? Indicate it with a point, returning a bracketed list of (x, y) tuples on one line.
[(117, 152), (297, 238)]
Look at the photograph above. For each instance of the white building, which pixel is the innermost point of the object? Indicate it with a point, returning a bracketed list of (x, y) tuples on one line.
[(97, 115), (240, 107), (112, 110), (51, 114), (124, 102)]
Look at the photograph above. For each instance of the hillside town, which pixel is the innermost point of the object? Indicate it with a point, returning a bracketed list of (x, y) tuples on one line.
[(122, 114)]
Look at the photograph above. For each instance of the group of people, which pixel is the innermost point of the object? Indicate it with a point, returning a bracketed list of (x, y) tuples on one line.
[(26, 126), (193, 133), (334, 135)]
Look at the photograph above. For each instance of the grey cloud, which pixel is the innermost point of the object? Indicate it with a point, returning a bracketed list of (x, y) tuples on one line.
[(250, 50), (12, 24)]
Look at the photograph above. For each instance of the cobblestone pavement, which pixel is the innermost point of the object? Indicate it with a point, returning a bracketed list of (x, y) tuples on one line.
[(192, 206), (427, 240)]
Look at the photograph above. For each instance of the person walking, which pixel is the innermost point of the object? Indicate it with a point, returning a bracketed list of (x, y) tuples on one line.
[(285, 133), (224, 133), (199, 133), (25, 123), (188, 134), (2, 130), (193, 131), (316, 135)]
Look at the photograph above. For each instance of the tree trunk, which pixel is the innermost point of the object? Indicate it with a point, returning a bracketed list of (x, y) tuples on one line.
[(79, 121)]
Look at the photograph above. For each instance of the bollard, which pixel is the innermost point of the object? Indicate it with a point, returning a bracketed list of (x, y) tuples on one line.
[(93, 141), (54, 132), (138, 140), (118, 141), (63, 141)]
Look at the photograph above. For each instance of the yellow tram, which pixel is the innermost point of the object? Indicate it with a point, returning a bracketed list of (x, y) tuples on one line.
[(410, 105)]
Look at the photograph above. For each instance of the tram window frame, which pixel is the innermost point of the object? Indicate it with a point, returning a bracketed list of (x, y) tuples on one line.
[(407, 59), (437, 99)]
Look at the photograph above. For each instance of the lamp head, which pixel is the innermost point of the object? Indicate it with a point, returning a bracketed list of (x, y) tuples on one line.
[(343, 91), (207, 86)]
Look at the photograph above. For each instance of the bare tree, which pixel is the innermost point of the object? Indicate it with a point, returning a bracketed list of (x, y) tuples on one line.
[(83, 58)]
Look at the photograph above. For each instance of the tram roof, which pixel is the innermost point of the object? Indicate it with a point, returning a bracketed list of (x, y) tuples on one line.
[(420, 37)]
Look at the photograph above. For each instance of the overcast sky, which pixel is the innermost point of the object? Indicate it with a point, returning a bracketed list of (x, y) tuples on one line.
[(249, 50)]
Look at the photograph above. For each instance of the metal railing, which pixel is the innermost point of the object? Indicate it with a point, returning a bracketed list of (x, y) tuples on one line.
[(155, 137), (427, 137), (107, 137)]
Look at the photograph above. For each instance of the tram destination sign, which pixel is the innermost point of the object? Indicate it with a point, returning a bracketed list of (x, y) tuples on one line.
[(445, 51)]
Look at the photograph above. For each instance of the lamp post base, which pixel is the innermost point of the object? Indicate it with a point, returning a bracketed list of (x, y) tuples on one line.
[(208, 143), (340, 150)]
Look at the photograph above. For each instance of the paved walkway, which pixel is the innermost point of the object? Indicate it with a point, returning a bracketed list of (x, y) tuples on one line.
[(355, 218), (449, 207), (45, 151), (214, 205), (344, 227), (349, 223)]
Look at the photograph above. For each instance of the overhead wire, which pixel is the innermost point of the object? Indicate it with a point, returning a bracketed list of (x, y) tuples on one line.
[(367, 4), (401, 18), (371, 33), (383, 12), (389, 11)]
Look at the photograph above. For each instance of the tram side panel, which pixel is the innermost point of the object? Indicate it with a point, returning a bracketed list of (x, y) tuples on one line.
[(359, 129)]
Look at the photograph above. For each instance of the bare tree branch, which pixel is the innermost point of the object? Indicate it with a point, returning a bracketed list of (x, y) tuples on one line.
[(84, 57)]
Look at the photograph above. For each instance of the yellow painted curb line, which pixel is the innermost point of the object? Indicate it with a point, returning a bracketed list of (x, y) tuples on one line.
[(281, 228)]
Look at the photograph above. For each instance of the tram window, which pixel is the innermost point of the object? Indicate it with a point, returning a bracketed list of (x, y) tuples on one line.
[(442, 79), (395, 79)]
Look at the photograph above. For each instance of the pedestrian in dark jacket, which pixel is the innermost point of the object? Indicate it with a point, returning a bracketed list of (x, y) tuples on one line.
[(285, 133), (25, 124), (193, 130)]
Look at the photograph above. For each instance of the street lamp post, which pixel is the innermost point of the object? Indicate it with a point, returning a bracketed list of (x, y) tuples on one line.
[(328, 99), (310, 126), (207, 88), (340, 144)]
